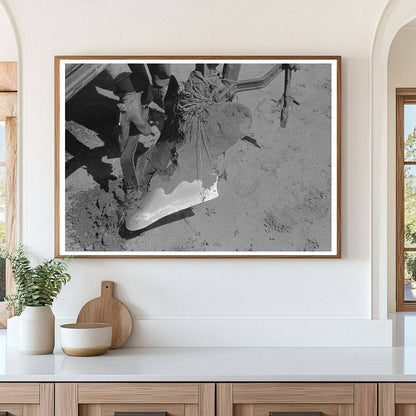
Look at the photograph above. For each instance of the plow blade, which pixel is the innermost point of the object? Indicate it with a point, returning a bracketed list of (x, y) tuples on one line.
[(157, 204)]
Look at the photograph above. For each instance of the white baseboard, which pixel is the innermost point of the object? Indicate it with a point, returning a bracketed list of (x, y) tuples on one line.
[(254, 332)]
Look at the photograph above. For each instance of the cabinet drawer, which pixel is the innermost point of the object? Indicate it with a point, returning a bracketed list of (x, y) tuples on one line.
[(22, 399), (138, 393), (108, 399), (297, 399), (397, 399), (19, 393)]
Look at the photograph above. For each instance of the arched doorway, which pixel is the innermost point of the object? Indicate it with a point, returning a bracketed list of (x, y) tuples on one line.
[(396, 14)]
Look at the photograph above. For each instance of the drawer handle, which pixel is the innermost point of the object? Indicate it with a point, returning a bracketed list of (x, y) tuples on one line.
[(296, 414), (138, 414)]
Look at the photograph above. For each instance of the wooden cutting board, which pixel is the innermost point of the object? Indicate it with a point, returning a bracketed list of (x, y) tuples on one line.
[(107, 309)]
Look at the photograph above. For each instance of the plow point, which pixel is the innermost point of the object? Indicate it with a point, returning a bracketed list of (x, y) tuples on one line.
[(157, 204)]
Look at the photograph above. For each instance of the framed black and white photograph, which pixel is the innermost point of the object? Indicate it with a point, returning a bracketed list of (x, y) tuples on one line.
[(198, 156)]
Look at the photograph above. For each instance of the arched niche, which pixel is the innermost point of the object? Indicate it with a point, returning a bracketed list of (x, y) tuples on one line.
[(396, 14)]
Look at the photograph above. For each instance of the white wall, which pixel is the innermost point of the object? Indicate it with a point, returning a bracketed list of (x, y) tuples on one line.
[(183, 300), (8, 47), (401, 74)]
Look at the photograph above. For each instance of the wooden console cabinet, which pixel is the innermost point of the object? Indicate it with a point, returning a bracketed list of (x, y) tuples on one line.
[(208, 399)]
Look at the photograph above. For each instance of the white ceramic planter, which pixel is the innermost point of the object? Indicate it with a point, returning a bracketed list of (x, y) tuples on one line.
[(37, 330)]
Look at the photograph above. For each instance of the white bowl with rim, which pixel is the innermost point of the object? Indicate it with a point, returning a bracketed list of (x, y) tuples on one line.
[(85, 339)]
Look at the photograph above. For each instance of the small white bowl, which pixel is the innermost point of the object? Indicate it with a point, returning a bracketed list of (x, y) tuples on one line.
[(84, 340)]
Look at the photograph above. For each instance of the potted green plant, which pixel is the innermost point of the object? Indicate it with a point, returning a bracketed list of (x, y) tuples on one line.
[(36, 289)]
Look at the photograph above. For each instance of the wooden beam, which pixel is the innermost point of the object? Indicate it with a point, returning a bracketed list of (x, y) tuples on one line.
[(386, 399), (405, 91), (400, 301), (224, 399), (11, 195), (66, 399), (207, 399), (8, 76), (47, 399), (365, 399), (8, 105)]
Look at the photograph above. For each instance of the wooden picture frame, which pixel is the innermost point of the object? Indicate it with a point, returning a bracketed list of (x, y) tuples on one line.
[(307, 224)]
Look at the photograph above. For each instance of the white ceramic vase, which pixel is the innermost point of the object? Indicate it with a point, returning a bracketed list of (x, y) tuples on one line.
[(37, 330)]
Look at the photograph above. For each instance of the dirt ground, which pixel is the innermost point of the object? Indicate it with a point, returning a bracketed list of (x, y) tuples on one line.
[(273, 198)]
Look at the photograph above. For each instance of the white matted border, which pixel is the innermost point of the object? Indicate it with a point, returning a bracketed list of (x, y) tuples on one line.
[(335, 62)]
